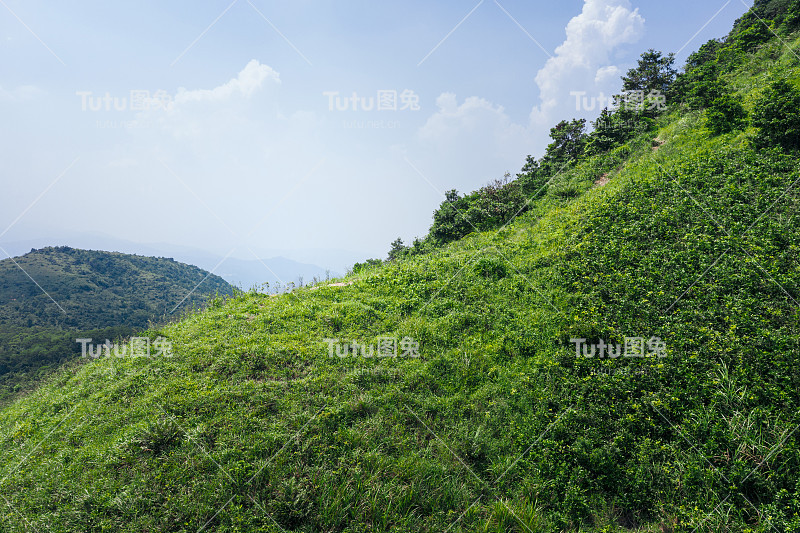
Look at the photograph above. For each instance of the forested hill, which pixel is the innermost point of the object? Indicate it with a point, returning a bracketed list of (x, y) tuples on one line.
[(51, 296), (84, 289)]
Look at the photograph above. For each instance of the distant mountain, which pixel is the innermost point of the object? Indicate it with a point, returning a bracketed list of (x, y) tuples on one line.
[(338, 261), (246, 274), (50, 297)]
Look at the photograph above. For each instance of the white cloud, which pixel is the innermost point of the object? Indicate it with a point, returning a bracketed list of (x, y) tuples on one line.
[(465, 144), (605, 74), (474, 113), (476, 119), (249, 80), (20, 94), (582, 61), (474, 138), (221, 113)]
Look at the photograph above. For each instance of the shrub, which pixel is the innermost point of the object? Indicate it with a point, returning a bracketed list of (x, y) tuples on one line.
[(369, 262), (487, 208), (491, 268), (777, 115), (792, 20), (751, 31), (613, 129), (725, 115)]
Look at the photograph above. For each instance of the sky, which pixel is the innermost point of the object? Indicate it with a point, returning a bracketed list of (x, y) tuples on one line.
[(249, 126)]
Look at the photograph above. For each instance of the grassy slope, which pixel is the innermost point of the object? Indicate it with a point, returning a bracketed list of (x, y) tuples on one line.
[(498, 419)]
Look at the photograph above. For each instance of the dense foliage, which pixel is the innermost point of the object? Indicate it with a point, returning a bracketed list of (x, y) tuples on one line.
[(777, 115), (654, 73)]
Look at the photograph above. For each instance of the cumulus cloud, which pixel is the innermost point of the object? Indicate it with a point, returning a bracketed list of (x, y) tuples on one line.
[(203, 114), (473, 137), (467, 142), (249, 80), (246, 126), (473, 115), (20, 94), (583, 61), (605, 74), (475, 119)]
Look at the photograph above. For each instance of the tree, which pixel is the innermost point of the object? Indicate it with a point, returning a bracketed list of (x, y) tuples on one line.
[(419, 246), (771, 9), (569, 141), (705, 54), (568, 146), (699, 83), (753, 27), (777, 115), (725, 114), (449, 224), (605, 135), (792, 20), (398, 249), (754, 35), (655, 72), (612, 129), (496, 203), (532, 178)]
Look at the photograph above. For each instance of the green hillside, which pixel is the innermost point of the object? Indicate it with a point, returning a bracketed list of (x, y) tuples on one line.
[(50, 297), (674, 232)]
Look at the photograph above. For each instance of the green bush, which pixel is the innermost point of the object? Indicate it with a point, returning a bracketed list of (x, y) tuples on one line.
[(358, 267), (725, 114), (777, 115)]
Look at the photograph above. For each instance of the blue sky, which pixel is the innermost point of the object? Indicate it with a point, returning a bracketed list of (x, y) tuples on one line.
[(247, 156)]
